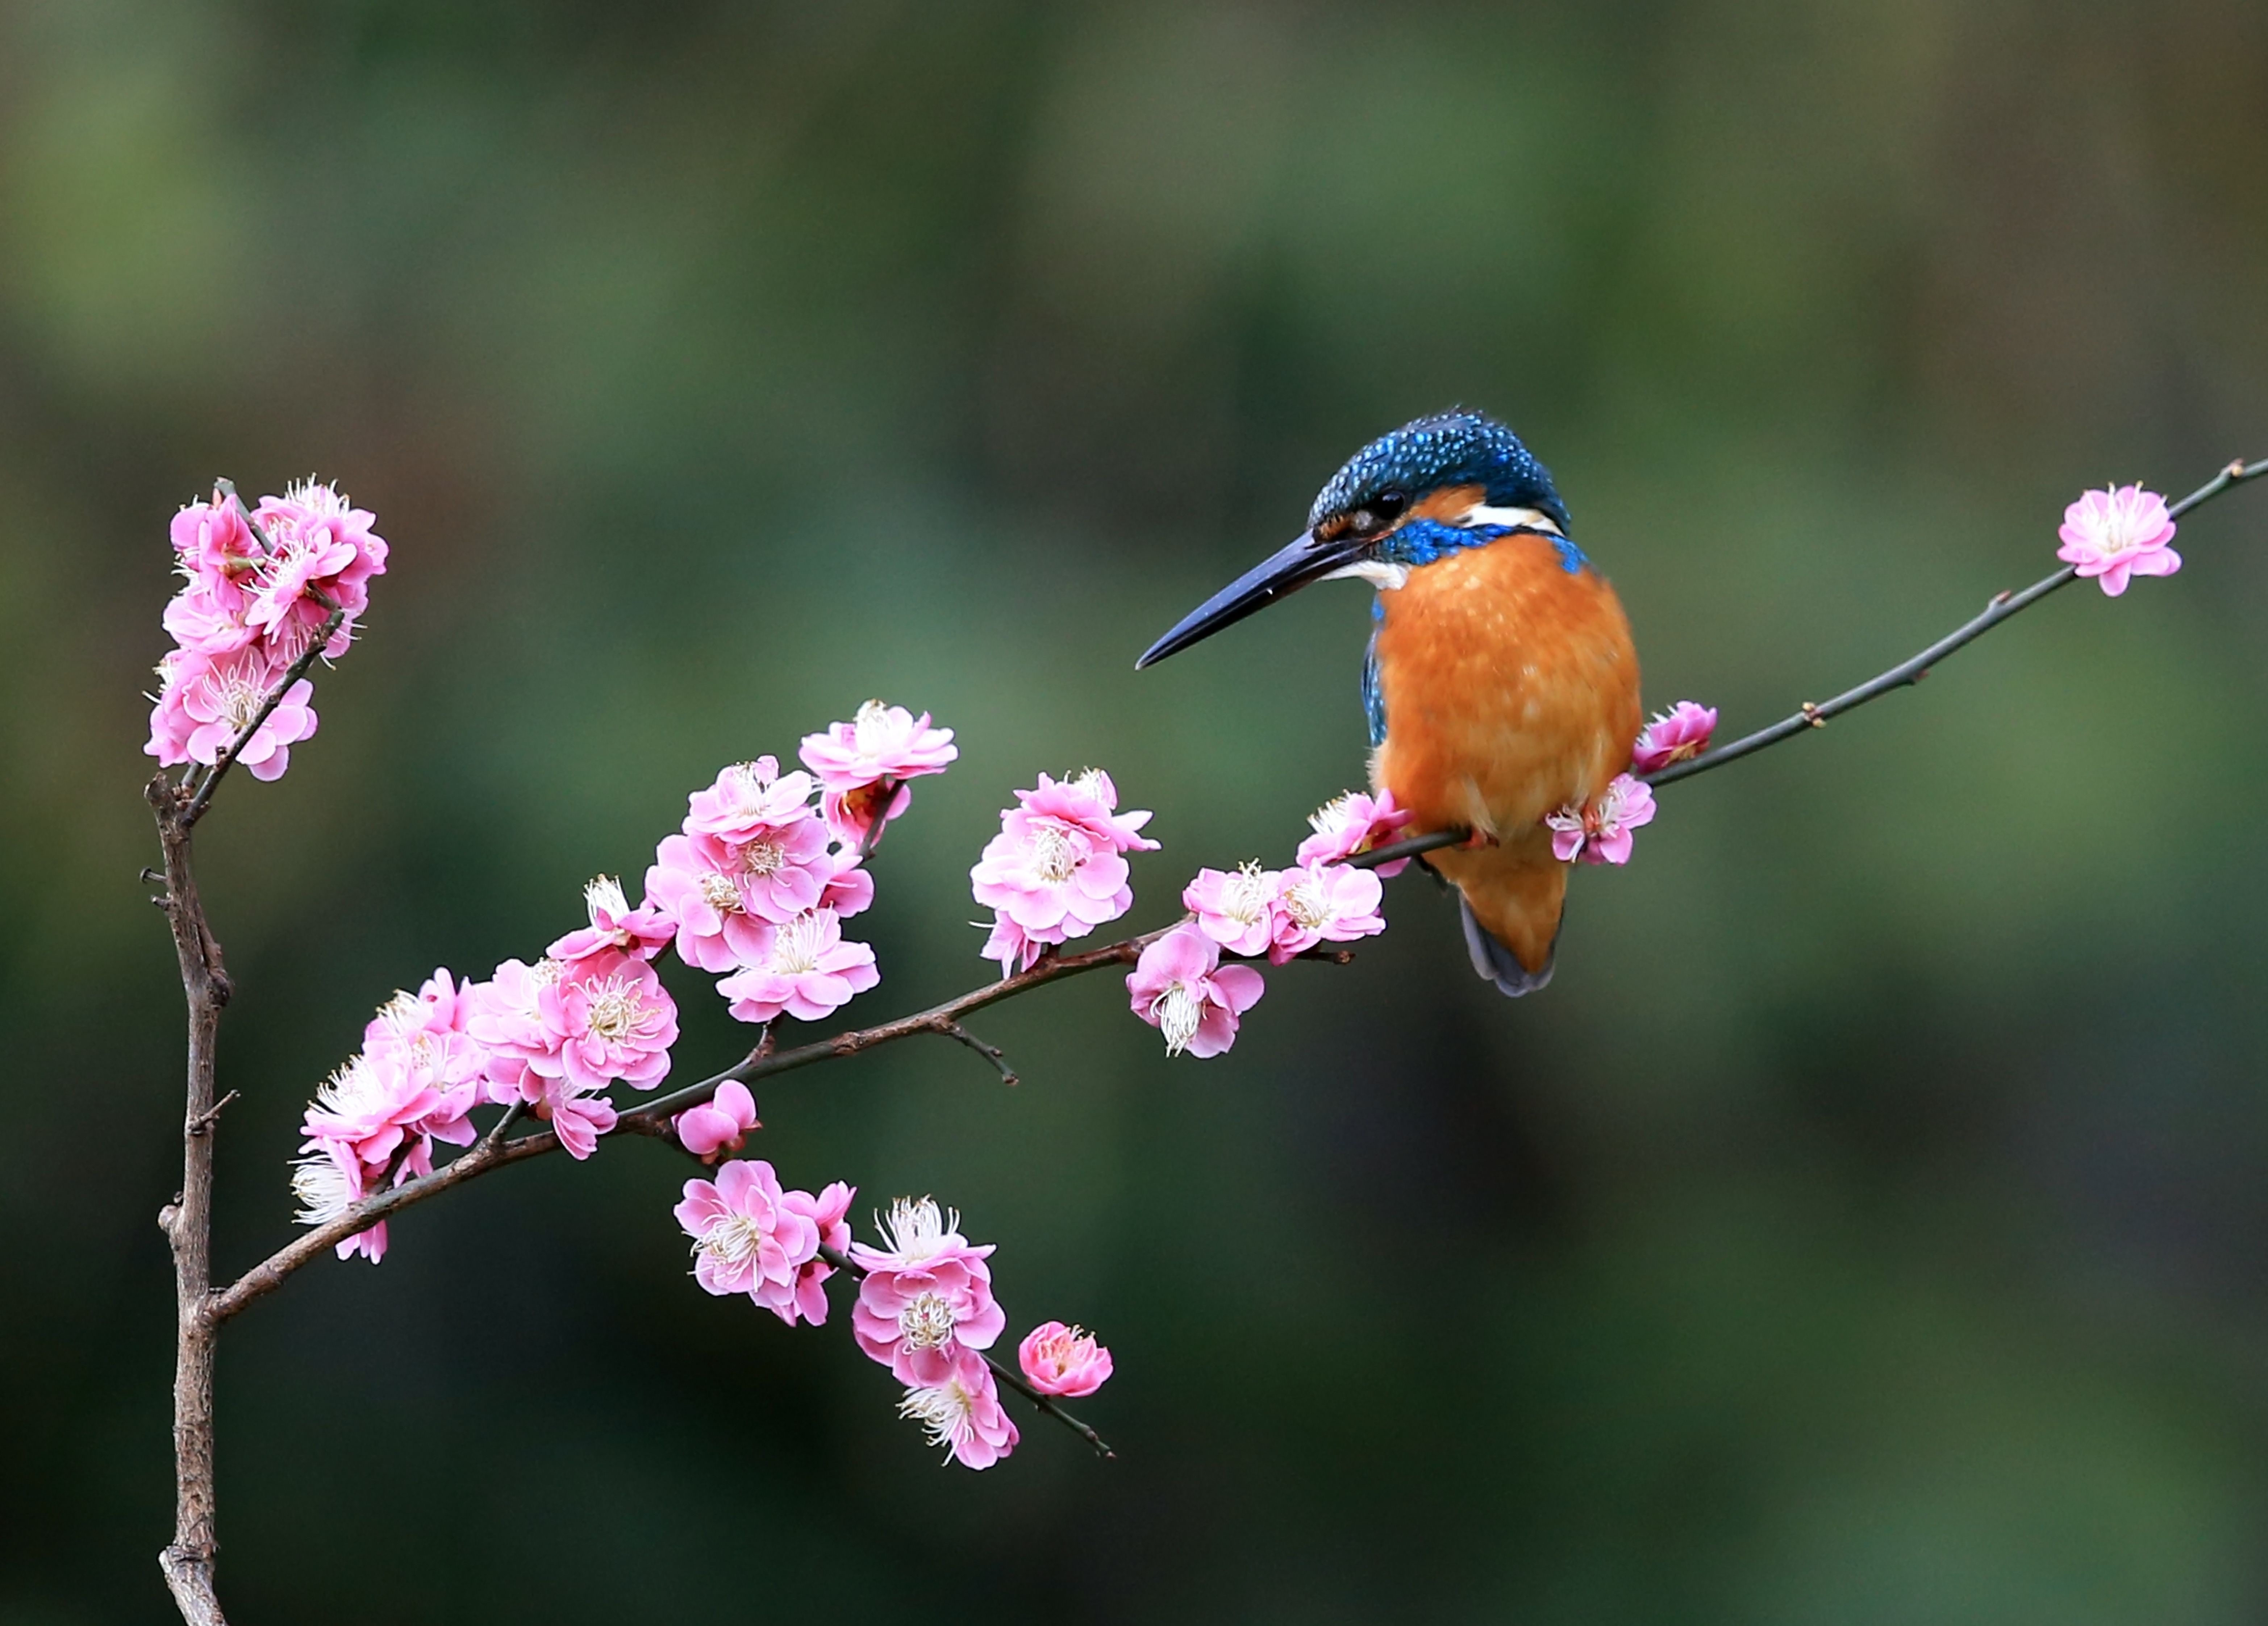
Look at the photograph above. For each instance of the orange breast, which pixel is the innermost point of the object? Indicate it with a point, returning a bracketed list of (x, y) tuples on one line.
[(1510, 687)]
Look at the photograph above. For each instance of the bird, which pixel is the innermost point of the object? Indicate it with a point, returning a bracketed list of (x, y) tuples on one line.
[(1500, 684)]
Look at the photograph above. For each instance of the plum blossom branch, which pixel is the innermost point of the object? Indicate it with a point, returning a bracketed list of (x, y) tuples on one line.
[(1903, 675)]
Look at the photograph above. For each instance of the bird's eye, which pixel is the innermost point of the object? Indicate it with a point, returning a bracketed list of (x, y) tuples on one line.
[(1377, 514)]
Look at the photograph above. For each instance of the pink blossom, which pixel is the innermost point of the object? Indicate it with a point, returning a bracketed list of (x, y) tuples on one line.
[(204, 702), (850, 890), (1238, 910), (746, 1238), (1091, 803), (1352, 822), (2113, 535), (719, 1124), (576, 1116), (320, 547), (1056, 869), (644, 932), (807, 971), (1601, 833), (212, 543), (963, 1413), (749, 800), (1676, 735), (375, 1104), (1009, 945), (1324, 903), (329, 1183), (1179, 988), (697, 886), (827, 1211), (505, 1016), (926, 1298), (216, 552), (862, 765), (605, 1017), (1063, 1360)]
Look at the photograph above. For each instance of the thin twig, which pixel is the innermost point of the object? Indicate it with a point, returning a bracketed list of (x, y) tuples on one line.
[(1810, 716), (494, 1137), (1009, 1375), (206, 1119), (991, 1053), (226, 758), (1913, 669), (1015, 1381)]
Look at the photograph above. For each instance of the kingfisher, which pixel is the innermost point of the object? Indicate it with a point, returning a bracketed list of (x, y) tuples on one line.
[(1500, 684)]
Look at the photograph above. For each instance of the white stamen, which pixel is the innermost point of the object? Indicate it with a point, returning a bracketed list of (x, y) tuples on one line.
[(1245, 898), (1179, 1013), (322, 1189), (719, 893), (731, 1239), (763, 857), (919, 1229), (927, 1323), (604, 894), (943, 1411), (1303, 901), (614, 1009), (1055, 856), (796, 945)]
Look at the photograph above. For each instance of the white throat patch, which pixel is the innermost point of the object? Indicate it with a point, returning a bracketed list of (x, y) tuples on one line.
[(1380, 573)]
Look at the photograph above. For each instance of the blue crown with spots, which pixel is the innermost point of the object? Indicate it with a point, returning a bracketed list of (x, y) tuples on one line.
[(1454, 448)]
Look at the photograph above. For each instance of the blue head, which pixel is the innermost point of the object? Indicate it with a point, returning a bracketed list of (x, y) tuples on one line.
[(1453, 481)]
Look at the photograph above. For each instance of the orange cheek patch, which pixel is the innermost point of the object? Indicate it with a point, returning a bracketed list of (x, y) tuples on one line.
[(1450, 503)]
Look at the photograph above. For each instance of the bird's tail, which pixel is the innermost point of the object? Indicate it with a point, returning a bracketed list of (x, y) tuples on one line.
[(1510, 899)]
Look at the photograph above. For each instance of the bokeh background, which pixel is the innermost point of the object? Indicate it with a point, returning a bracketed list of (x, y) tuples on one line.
[(1868, 1225)]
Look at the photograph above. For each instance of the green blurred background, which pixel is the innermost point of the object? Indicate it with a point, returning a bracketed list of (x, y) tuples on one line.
[(1866, 1226)]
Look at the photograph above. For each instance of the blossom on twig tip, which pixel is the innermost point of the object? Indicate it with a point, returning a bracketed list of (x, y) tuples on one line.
[(1677, 735), (1063, 1361), (2117, 534)]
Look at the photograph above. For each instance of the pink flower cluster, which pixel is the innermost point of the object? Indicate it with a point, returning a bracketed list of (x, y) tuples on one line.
[(374, 1121), (257, 589), (1284, 913), (1601, 833), (754, 884), (1179, 985), (925, 1309), (751, 1237), (1057, 870), (2117, 534), (1677, 735), (758, 886)]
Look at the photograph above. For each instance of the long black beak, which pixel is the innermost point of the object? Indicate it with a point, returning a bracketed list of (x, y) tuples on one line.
[(1303, 560)]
